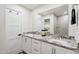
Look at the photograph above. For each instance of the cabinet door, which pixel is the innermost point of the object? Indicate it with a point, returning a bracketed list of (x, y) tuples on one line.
[(36, 45), (60, 50), (47, 49), (27, 45), (35, 50)]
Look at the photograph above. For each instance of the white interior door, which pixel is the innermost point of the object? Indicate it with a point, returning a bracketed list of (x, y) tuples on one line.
[(13, 28)]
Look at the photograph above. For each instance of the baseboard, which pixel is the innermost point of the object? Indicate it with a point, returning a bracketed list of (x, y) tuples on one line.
[(15, 51), (3, 52)]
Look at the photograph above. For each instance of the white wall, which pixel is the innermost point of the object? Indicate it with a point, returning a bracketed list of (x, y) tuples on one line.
[(2, 27), (36, 19)]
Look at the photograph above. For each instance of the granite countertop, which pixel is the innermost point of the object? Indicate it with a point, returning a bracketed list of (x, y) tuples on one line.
[(42, 39)]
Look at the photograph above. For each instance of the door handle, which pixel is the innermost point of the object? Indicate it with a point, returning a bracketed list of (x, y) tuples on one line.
[(52, 51), (19, 34)]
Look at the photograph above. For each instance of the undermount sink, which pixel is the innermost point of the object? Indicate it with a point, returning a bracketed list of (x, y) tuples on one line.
[(39, 37), (61, 42), (42, 37)]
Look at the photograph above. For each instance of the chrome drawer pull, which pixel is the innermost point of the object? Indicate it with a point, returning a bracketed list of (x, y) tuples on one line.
[(53, 51)]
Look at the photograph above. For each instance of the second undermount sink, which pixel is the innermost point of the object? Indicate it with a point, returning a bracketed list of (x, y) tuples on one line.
[(61, 42)]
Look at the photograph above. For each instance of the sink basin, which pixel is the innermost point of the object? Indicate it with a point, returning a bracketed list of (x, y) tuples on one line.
[(61, 42), (39, 37), (42, 37)]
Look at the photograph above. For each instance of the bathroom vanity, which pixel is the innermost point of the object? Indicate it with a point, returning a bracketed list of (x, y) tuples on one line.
[(35, 44)]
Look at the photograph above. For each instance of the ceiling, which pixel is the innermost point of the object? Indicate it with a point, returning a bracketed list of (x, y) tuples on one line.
[(62, 10), (57, 11), (32, 6)]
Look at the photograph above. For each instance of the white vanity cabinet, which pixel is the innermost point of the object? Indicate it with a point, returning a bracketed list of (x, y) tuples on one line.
[(32, 46), (27, 44), (47, 48), (52, 49)]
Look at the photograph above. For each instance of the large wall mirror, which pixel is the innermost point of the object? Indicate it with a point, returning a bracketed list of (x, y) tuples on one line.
[(60, 23)]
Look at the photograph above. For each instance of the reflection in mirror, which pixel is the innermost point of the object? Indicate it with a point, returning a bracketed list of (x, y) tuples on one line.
[(61, 22), (56, 20)]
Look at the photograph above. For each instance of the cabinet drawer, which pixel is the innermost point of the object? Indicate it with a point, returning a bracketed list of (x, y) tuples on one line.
[(36, 43), (36, 50)]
